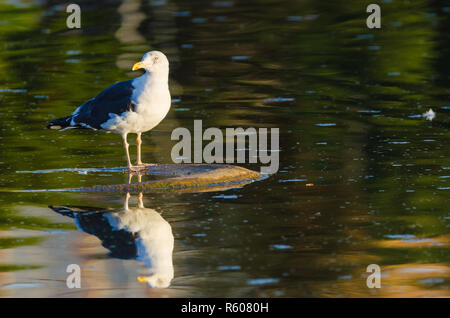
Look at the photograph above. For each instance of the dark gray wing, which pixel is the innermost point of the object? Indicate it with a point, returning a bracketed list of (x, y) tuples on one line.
[(116, 99)]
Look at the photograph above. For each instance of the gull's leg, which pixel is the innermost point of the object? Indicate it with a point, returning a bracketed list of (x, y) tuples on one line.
[(139, 161), (125, 204), (140, 201), (132, 173), (139, 142), (125, 145)]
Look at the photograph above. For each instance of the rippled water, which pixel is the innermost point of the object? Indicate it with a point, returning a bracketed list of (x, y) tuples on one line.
[(348, 102)]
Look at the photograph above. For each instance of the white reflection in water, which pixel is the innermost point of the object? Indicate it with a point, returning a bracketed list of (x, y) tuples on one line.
[(131, 233)]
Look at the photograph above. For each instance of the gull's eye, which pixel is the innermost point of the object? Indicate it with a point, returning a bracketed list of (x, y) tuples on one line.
[(155, 59)]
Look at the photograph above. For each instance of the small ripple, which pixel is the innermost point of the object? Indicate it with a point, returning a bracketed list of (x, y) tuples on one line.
[(294, 18), (280, 99), (9, 90), (280, 246), (345, 277), (398, 142), (198, 20), (22, 285), (326, 124), (262, 281), (199, 234), (224, 196), (73, 52), (431, 281), (364, 36), (240, 58), (400, 236), (229, 268), (421, 270), (293, 180), (223, 4), (157, 3), (181, 13), (369, 111)]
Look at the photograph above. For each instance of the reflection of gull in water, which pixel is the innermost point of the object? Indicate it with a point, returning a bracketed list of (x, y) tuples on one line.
[(154, 240), (130, 233)]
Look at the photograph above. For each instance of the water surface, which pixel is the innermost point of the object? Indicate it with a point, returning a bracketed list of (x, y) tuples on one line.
[(364, 178)]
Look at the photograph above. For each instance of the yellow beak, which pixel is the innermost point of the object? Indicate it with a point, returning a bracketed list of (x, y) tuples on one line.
[(143, 279), (137, 66)]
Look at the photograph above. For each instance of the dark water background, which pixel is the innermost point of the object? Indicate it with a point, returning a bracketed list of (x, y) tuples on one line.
[(348, 101)]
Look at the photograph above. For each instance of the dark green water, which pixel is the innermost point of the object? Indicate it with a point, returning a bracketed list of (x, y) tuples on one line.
[(348, 101)]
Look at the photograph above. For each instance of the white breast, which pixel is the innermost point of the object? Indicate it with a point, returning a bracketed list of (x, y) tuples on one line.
[(152, 100)]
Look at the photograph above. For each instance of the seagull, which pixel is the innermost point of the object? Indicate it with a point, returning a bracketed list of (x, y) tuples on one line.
[(133, 106)]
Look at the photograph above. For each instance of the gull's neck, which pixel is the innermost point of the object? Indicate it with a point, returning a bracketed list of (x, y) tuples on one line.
[(150, 84), (159, 78)]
